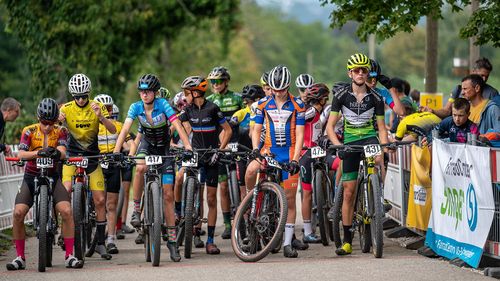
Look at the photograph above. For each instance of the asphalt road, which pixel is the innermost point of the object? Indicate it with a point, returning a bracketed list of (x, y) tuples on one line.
[(317, 263)]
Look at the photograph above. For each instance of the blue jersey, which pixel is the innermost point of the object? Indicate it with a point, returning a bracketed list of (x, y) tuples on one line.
[(386, 96), (156, 133)]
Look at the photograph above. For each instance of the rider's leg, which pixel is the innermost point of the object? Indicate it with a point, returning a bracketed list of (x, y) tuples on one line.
[(96, 183), (225, 201), (18, 234), (211, 180), (63, 206), (179, 180), (251, 174)]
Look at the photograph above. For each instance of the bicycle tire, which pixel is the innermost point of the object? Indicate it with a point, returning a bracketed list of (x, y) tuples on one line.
[(260, 245), (337, 216), (157, 222), (50, 243), (121, 200), (376, 226), (42, 227), (363, 221), (90, 228), (189, 217), (234, 191), (319, 193), (78, 199)]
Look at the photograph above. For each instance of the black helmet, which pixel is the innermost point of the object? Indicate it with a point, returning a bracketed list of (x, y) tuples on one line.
[(148, 82), (253, 92), (48, 110), (375, 69)]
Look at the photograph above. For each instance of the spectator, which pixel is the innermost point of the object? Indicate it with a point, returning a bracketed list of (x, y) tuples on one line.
[(10, 110), (415, 124), (485, 113), (483, 68), (415, 96), (458, 125), (400, 87)]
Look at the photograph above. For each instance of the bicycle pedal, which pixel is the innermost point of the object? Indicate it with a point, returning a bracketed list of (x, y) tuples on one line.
[(204, 220)]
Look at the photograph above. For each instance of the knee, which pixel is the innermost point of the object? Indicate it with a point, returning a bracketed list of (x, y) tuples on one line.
[(111, 205), (19, 214), (140, 170), (99, 201), (168, 195), (212, 201), (65, 213)]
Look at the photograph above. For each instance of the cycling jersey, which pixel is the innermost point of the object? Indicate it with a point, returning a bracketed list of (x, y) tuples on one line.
[(204, 122), (32, 139), (313, 128), (229, 103), (83, 126), (448, 128), (358, 116), (417, 124), (242, 118), (339, 127), (156, 134), (281, 122), (107, 140)]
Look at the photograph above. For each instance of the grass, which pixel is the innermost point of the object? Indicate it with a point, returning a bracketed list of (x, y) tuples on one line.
[(6, 240)]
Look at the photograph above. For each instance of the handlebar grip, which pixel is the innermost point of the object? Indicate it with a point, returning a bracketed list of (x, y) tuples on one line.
[(75, 159), (12, 159), (244, 148)]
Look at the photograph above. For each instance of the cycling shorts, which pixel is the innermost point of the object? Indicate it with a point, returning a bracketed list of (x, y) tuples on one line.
[(222, 172), (167, 169), (127, 173), (306, 171), (27, 189), (241, 171), (95, 176), (112, 178), (350, 165), (283, 155)]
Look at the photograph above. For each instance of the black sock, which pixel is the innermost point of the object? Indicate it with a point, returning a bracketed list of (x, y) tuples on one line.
[(178, 206), (101, 232), (347, 234), (210, 234)]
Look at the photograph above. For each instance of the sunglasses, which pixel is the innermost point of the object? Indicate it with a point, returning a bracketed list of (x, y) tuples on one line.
[(82, 97), (360, 70), (217, 81), (371, 79), (47, 123), (302, 89)]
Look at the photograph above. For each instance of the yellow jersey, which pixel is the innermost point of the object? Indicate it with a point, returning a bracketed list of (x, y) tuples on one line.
[(83, 127), (107, 140), (417, 124)]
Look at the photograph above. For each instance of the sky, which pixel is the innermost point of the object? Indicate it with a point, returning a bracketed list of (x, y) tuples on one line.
[(305, 11)]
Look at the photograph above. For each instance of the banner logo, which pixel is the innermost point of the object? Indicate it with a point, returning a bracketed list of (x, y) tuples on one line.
[(453, 205), (471, 207)]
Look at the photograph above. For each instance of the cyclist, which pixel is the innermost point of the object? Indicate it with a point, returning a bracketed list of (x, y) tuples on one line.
[(112, 172), (414, 124), (361, 107), (302, 82), (284, 115), (203, 118), (242, 118), (229, 102), (315, 97), (154, 115), (82, 117), (390, 97), (43, 139)]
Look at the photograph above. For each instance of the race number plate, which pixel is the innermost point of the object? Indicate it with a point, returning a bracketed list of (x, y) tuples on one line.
[(372, 150), (83, 164), (153, 160), (317, 152), (233, 146), (44, 163), (272, 162), (193, 162)]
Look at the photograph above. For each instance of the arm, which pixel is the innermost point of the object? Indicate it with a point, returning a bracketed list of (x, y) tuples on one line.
[(101, 112), (443, 112), (227, 132), (123, 135), (133, 148), (382, 132), (398, 107), (182, 134), (299, 136), (28, 155), (257, 128), (330, 128)]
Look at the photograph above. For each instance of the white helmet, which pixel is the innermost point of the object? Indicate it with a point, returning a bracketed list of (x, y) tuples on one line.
[(104, 99), (79, 84), (304, 81), (116, 112), (279, 78)]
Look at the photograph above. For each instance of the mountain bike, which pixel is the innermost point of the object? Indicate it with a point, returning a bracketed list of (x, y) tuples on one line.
[(230, 160), (369, 200), (260, 220)]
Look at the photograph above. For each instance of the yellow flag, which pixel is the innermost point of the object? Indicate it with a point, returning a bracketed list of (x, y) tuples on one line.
[(420, 195)]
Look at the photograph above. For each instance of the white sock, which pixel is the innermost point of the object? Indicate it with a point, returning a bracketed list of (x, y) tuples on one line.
[(307, 227), (111, 239), (289, 230)]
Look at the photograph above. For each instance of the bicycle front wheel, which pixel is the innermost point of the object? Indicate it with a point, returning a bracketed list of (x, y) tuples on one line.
[(189, 216), (78, 203), (157, 221), (377, 212), (264, 230), (363, 220), (42, 228)]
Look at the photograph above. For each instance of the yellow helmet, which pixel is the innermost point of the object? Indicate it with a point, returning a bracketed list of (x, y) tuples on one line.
[(358, 60)]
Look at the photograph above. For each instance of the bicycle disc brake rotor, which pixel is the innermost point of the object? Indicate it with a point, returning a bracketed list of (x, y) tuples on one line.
[(263, 223)]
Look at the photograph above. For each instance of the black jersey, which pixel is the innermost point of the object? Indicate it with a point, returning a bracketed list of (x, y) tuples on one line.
[(204, 121)]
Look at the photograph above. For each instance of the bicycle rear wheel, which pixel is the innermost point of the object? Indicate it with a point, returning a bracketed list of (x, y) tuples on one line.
[(319, 193), (377, 211), (78, 203), (234, 191), (189, 216), (265, 231), (157, 221), (42, 227), (337, 216)]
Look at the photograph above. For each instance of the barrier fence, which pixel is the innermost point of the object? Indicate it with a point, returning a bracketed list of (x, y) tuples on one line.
[(396, 191)]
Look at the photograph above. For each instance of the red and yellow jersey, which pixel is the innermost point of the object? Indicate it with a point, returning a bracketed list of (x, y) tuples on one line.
[(83, 127), (107, 140), (33, 139)]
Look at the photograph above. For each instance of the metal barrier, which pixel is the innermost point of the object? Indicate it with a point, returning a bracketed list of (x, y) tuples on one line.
[(492, 246), (11, 178)]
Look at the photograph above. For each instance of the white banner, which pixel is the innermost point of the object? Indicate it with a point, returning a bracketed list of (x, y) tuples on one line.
[(462, 201)]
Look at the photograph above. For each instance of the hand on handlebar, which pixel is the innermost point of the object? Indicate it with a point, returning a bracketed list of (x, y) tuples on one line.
[(213, 160), (293, 167)]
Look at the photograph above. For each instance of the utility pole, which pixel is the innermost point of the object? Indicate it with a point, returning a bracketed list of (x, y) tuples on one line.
[(431, 41), (474, 51)]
